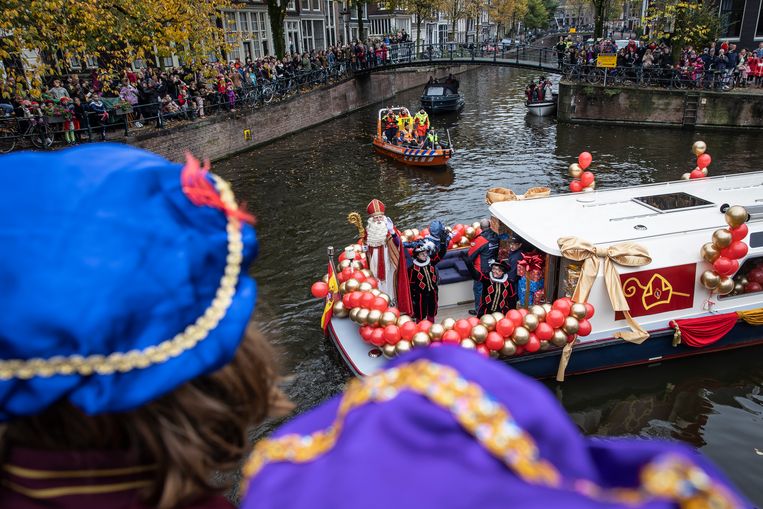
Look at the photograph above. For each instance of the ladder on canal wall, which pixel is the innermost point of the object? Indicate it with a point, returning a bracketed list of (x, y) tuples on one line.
[(691, 104)]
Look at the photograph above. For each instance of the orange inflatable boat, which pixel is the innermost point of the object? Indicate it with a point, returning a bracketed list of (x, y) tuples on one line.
[(409, 154)]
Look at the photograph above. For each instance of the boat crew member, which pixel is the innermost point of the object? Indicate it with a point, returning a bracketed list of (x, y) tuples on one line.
[(385, 255), (497, 290), (405, 122), (432, 140), (513, 259), (483, 249), (390, 126), (423, 278), (421, 125)]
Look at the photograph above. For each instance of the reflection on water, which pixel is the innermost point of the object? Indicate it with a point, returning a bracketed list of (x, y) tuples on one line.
[(302, 187)]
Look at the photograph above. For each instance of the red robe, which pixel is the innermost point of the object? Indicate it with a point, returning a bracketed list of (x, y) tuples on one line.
[(402, 288)]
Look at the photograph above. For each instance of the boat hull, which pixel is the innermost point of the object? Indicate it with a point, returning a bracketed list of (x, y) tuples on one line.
[(437, 104), (541, 109), (413, 156)]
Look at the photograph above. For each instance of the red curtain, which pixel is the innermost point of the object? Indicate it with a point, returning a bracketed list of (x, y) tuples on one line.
[(704, 331)]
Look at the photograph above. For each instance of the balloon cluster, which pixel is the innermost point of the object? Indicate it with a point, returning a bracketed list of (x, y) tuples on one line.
[(461, 235), (703, 161), (725, 251), (751, 282), (587, 182)]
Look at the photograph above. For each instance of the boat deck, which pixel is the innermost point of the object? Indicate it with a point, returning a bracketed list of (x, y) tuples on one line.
[(455, 311)]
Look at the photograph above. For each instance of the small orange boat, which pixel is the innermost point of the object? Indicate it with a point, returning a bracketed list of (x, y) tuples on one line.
[(409, 155)]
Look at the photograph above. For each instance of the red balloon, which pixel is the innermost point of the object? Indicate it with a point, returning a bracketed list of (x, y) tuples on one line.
[(463, 328), (377, 337), (515, 317), (359, 276), (752, 287), (524, 312), (365, 332), (373, 282), (392, 334), (460, 227), (342, 256), (571, 337), (379, 304), (533, 345), (394, 310), (355, 299), (346, 300), (457, 236), (696, 174), (584, 328), (544, 331), (408, 329), (367, 299), (740, 232), (704, 160), (584, 160), (737, 250), (562, 305), (424, 326), (494, 341), (520, 350), (473, 321), (319, 290), (586, 179), (555, 318), (589, 310), (576, 186), (345, 274), (451, 337), (755, 276), (505, 327), (424, 232), (725, 266), (482, 349)]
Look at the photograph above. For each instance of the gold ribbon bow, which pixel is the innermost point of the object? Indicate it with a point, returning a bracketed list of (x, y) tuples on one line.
[(628, 254)]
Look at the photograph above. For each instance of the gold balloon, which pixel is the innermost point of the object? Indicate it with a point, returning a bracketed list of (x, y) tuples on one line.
[(686, 176), (464, 242), (374, 316), (699, 148), (570, 325), (709, 252), (559, 338), (726, 286), (436, 331), (367, 273), (448, 323), (409, 234), (476, 225), (402, 319), (344, 264), (538, 311), (738, 288), (468, 344), (356, 264), (339, 310), (403, 346), (493, 354), (351, 285), (362, 316), (384, 296), (509, 349), (520, 336), (343, 287), (498, 316), (547, 307), (420, 340), (469, 233), (721, 239), (575, 170), (365, 287), (704, 171), (354, 314), (588, 189), (325, 278), (479, 333), (375, 292), (736, 216), (389, 350), (544, 345), (415, 232), (488, 321), (387, 318), (531, 322), (710, 279), (742, 280), (578, 310)]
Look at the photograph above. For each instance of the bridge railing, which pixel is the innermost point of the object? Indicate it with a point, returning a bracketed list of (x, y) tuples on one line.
[(662, 77)]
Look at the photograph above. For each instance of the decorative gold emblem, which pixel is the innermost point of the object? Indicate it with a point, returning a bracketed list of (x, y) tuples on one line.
[(656, 292)]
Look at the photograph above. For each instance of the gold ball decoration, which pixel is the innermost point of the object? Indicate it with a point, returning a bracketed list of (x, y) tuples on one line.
[(420, 340), (588, 189), (339, 310), (538, 311), (559, 338), (736, 216), (448, 323), (704, 171), (721, 238), (464, 242), (726, 286), (357, 265), (436, 331), (343, 287), (498, 316), (476, 225), (469, 232), (571, 325), (402, 319), (387, 318), (709, 252), (488, 321), (699, 148), (373, 317), (403, 346), (468, 344), (531, 322), (578, 310), (710, 279), (366, 273), (408, 233), (384, 296), (389, 351), (375, 292), (738, 288), (365, 287), (575, 170), (415, 232), (544, 345), (354, 314), (521, 336), (351, 285), (547, 307), (362, 316), (686, 176), (325, 278), (479, 333), (509, 349), (344, 264), (742, 280)]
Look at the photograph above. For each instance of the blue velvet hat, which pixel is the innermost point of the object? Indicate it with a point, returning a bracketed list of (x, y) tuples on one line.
[(122, 276), (446, 428)]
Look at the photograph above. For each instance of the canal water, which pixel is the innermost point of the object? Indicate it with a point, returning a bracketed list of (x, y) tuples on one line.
[(301, 189)]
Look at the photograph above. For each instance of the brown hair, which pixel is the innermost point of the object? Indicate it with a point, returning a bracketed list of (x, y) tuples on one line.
[(189, 434)]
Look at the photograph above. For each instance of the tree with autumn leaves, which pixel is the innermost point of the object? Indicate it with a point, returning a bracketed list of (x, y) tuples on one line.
[(38, 38), (684, 22)]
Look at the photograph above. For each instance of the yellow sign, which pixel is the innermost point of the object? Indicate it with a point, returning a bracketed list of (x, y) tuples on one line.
[(608, 61), (573, 30), (247, 135)]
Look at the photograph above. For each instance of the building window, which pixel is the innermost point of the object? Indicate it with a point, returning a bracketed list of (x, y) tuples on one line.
[(316, 5), (307, 35), (731, 16), (230, 21), (292, 36), (305, 5), (292, 6), (243, 22)]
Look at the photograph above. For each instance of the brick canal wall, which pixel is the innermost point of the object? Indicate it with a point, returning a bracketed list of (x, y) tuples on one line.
[(628, 105), (223, 135)]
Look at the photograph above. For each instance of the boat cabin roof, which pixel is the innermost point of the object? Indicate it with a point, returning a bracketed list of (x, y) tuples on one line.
[(439, 89), (631, 213)]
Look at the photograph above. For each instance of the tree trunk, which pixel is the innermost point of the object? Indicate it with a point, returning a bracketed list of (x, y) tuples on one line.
[(418, 32), (599, 13), (455, 21), (277, 13), (360, 21)]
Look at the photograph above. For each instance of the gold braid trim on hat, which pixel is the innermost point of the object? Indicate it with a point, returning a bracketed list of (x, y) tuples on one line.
[(123, 362)]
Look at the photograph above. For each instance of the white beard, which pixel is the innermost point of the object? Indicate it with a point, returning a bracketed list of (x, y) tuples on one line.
[(377, 232)]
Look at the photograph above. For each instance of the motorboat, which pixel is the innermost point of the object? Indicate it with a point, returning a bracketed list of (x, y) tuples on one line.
[(441, 98), (542, 108), (410, 153)]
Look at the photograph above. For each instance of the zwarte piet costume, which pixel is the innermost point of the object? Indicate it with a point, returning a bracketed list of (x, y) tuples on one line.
[(423, 279), (498, 294)]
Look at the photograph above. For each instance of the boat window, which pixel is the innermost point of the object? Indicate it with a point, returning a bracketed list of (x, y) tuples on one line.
[(748, 279), (568, 275), (672, 201), (435, 91), (756, 239)]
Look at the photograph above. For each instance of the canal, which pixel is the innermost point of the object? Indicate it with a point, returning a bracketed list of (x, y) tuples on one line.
[(301, 189)]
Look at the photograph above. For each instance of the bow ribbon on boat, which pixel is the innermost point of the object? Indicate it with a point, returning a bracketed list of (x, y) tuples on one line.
[(531, 262), (628, 254)]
